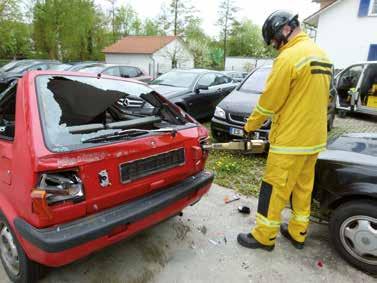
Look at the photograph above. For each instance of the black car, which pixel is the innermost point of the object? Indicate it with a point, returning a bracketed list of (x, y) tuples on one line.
[(231, 114), (346, 188), (236, 76), (196, 91)]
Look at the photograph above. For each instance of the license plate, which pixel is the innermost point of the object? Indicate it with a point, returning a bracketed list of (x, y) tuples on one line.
[(236, 132)]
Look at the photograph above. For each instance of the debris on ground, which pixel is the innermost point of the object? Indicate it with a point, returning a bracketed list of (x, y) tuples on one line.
[(202, 229), (320, 263), (229, 200), (213, 242), (244, 209), (245, 265)]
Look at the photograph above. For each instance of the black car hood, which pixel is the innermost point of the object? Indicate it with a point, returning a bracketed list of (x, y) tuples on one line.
[(239, 102), (169, 91), (360, 149)]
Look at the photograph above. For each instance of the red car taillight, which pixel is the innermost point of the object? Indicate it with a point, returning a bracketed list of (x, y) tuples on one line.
[(56, 188)]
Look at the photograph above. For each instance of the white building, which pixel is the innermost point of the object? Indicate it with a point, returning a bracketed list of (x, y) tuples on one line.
[(152, 54), (346, 30), (244, 64)]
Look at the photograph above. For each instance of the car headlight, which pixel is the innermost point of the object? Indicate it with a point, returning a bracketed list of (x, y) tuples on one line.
[(220, 113)]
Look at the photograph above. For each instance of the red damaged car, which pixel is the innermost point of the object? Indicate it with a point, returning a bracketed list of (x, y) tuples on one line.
[(87, 161)]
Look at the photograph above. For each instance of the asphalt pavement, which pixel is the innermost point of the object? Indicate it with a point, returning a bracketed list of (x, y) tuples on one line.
[(201, 246)]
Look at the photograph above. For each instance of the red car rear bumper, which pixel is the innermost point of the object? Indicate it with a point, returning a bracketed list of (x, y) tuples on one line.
[(68, 242)]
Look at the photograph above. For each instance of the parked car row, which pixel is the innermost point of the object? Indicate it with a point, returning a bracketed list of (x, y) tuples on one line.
[(231, 113), (16, 69)]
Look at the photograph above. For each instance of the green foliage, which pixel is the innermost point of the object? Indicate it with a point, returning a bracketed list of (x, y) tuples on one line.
[(226, 17), (245, 39), (68, 30), (79, 30), (14, 34), (177, 16), (126, 22), (151, 27)]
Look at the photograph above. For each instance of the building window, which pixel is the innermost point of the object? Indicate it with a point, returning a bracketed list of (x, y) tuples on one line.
[(373, 8)]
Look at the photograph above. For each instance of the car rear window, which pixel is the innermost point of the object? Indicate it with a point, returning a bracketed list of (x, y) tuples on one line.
[(68, 102), (358, 143)]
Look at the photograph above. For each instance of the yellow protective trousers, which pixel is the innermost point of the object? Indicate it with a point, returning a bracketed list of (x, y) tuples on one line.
[(286, 176)]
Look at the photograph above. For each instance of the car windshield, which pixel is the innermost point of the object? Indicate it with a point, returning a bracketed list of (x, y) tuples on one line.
[(256, 82), (176, 79), (94, 70), (74, 109)]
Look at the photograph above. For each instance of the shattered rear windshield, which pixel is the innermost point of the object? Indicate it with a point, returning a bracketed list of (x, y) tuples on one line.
[(74, 109)]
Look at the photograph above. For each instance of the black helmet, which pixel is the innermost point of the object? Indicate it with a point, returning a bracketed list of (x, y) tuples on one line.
[(272, 28)]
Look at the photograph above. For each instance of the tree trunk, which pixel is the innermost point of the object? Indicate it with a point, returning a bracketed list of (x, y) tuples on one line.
[(176, 18)]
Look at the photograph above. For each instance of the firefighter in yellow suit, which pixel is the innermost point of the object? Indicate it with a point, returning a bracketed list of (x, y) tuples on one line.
[(296, 99)]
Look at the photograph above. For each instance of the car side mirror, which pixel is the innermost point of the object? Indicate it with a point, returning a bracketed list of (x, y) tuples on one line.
[(201, 87)]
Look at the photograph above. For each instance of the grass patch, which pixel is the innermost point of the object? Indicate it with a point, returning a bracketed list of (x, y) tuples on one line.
[(240, 172)]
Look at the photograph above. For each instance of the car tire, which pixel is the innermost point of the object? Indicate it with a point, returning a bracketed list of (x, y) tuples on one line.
[(19, 268), (352, 226)]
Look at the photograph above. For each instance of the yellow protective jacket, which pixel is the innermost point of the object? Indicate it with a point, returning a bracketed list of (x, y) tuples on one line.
[(296, 96)]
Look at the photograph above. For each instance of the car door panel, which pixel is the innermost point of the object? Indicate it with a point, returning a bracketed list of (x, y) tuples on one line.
[(201, 103)]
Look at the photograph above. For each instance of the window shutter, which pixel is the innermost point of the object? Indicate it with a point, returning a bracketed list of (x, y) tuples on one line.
[(364, 8), (372, 52)]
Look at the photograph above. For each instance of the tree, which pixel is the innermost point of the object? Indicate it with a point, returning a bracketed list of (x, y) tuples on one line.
[(68, 30), (14, 33), (176, 17), (245, 39), (226, 12), (112, 16), (126, 22), (150, 27), (198, 43)]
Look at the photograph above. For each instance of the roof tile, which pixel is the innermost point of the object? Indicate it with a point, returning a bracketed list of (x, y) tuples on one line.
[(139, 44)]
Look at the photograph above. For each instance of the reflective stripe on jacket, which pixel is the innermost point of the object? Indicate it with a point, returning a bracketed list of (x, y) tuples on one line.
[(296, 97)]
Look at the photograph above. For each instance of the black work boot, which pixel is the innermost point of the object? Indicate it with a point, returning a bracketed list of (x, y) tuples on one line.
[(248, 241), (284, 231)]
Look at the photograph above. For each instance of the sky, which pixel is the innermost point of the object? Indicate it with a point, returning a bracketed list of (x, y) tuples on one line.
[(255, 10)]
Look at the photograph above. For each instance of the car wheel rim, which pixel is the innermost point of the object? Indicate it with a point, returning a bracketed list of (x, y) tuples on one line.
[(358, 235), (8, 250)]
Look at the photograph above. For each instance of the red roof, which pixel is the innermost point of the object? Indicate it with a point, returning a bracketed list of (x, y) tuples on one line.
[(139, 44)]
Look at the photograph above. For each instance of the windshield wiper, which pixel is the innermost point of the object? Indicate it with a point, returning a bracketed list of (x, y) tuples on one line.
[(116, 135), (130, 133)]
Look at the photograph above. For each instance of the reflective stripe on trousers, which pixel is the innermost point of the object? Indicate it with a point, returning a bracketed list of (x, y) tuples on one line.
[(285, 175)]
